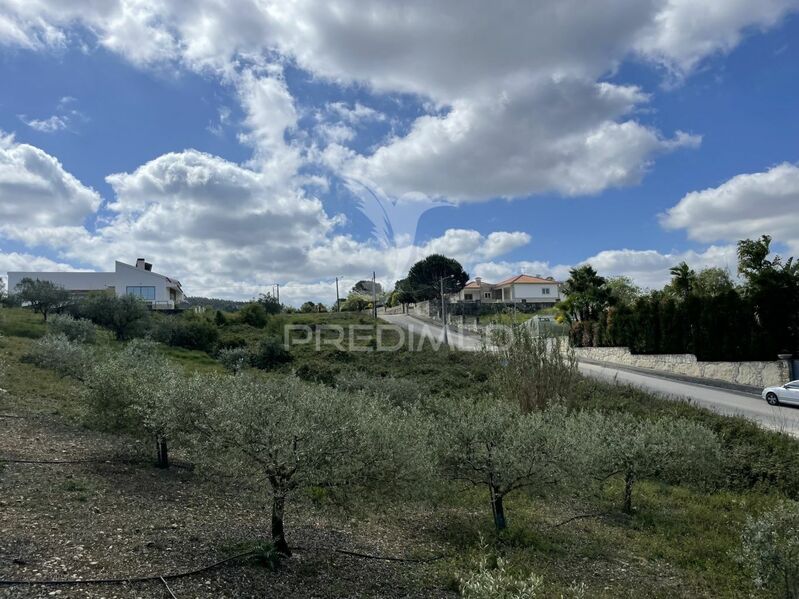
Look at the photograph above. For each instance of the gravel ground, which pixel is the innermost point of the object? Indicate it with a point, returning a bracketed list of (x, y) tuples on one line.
[(115, 519)]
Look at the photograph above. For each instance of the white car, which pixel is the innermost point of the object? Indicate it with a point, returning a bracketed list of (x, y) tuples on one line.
[(788, 393)]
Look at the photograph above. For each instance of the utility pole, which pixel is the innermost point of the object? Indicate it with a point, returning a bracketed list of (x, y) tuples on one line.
[(338, 302), (444, 311), (374, 296)]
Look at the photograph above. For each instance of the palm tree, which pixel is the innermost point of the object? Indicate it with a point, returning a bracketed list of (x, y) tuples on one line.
[(683, 279)]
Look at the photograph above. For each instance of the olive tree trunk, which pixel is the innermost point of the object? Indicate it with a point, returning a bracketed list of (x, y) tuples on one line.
[(278, 534), (629, 481), (498, 509), (162, 452)]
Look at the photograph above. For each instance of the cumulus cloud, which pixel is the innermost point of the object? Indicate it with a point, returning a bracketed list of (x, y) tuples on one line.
[(746, 205), (561, 135), (36, 191), (516, 84)]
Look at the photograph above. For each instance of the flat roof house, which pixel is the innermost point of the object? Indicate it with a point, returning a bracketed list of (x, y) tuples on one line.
[(159, 291), (518, 289)]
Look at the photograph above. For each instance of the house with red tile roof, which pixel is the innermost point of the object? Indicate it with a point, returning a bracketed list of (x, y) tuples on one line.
[(522, 289)]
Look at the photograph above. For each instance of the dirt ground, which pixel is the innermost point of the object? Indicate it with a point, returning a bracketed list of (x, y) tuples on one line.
[(117, 518)]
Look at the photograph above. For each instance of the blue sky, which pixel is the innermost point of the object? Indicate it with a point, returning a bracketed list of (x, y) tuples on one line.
[(238, 148)]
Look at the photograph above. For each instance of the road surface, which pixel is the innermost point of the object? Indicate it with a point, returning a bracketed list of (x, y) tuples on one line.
[(721, 400)]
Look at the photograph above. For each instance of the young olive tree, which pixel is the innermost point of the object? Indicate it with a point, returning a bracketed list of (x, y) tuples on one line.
[(531, 369), (42, 296), (135, 390), (770, 549), (62, 355), (667, 449), (290, 435), (488, 443)]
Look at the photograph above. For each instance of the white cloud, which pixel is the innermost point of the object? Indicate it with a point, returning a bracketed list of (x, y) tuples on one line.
[(49, 125), (746, 205), (36, 191), (649, 268), (517, 83), (567, 136), (685, 31)]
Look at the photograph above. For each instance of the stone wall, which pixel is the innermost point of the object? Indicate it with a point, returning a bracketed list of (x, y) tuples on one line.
[(751, 374)]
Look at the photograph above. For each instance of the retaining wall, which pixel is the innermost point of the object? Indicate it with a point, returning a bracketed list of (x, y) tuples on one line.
[(751, 374)]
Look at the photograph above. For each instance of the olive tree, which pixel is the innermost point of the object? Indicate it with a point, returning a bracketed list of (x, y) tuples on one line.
[(289, 435), (667, 449), (489, 443), (770, 549), (60, 354), (43, 297), (135, 390), (531, 369)]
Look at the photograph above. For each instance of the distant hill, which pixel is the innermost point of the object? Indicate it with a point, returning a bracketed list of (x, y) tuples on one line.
[(215, 304)]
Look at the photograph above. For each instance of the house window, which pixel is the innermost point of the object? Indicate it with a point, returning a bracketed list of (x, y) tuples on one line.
[(487, 295), (545, 291), (145, 293), (467, 296)]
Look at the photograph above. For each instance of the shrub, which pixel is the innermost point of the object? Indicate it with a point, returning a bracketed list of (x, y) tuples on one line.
[(770, 549), (530, 368), (318, 372), (254, 315), (74, 329), (186, 332), (235, 359), (128, 317), (295, 436), (231, 342), (58, 353), (491, 580), (270, 353), (398, 391)]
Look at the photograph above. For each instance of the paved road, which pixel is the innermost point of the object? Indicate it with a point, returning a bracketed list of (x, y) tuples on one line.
[(724, 401)]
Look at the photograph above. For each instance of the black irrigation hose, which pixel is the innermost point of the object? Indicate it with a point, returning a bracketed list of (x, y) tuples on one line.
[(155, 577), (186, 465), (164, 577)]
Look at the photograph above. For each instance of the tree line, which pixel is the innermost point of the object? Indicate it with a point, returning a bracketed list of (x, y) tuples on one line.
[(704, 313)]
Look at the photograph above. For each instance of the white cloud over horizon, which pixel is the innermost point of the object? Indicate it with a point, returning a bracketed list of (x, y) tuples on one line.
[(516, 104)]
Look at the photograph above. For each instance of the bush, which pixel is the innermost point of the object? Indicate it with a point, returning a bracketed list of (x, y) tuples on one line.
[(231, 342), (531, 369), (128, 317), (770, 548), (74, 329), (235, 359), (318, 372), (254, 315), (491, 580), (270, 353), (58, 353), (398, 391), (187, 333)]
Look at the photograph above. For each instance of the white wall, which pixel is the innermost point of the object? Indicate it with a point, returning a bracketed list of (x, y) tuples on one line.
[(130, 276), (535, 291), (73, 281)]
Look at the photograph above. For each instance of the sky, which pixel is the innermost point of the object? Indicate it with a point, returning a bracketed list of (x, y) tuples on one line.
[(238, 144)]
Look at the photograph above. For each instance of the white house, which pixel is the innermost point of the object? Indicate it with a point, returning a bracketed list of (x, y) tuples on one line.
[(161, 292), (519, 289)]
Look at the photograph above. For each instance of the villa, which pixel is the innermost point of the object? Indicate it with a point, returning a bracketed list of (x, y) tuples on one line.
[(159, 291), (521, 289)]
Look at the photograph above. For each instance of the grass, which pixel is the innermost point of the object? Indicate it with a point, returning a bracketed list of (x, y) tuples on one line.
[(679, 541)]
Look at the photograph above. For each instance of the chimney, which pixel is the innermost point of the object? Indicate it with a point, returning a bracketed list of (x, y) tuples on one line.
[(479, 281), (141, 264)]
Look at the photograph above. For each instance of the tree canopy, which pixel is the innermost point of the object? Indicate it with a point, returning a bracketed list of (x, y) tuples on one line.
[(424, 277), (42, 296)]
